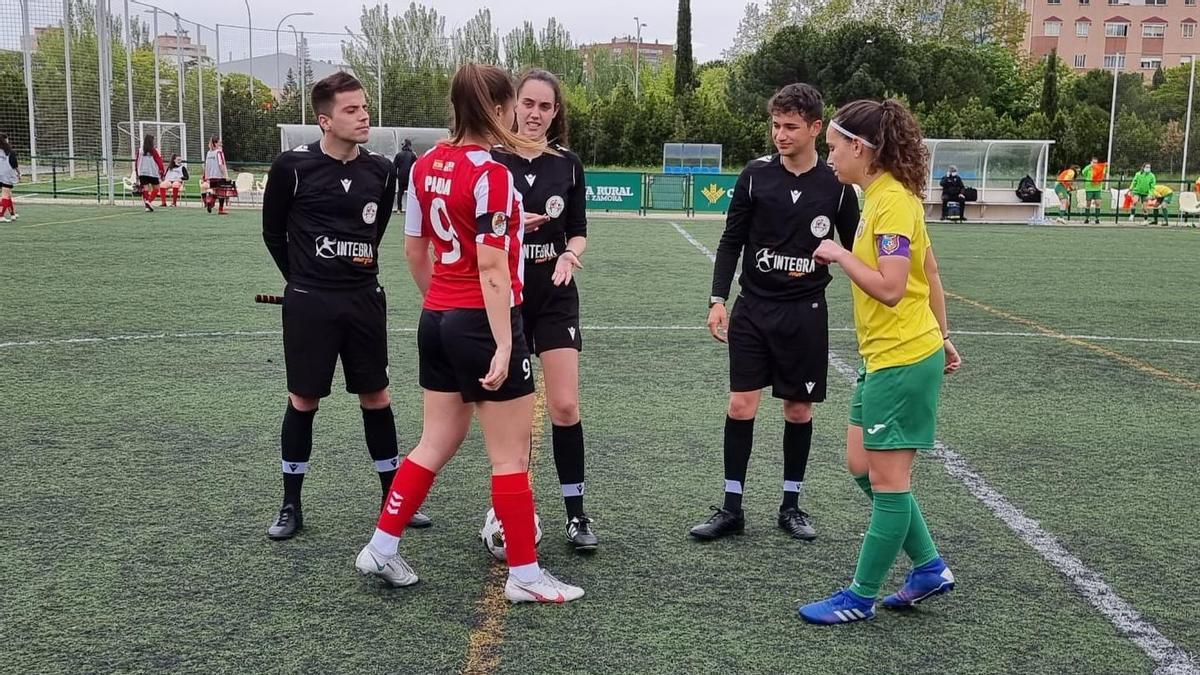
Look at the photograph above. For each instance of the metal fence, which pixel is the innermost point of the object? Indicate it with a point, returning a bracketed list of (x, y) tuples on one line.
[(86, 79)]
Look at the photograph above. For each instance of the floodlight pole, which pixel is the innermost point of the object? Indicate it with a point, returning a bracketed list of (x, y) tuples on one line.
[(1187, 127), (200, 89), (250, 45), (217, 74), (179, 89), (70, 106), (300, 60), (157, 82), (129, 79), (1112, 114), (27, 53), (637, 61)]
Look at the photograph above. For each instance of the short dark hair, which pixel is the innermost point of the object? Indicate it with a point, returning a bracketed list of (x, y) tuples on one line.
[(798, 98), (324, 91)]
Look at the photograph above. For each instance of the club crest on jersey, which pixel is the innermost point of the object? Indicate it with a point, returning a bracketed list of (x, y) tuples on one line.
[(499, 223), (820, 226), (862, 226), (369, 213), (555, 206)]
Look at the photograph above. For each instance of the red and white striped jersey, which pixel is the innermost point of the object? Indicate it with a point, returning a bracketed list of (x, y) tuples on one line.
[(461, 198)]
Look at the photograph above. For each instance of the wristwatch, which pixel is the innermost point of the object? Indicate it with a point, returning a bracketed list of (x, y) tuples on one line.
[(715, 300)]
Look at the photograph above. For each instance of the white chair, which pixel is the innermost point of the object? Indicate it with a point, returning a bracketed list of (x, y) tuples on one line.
[(1189, 205), (244, 182)]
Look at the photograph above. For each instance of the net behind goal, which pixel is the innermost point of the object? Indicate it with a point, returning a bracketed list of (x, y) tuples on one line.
[(169, 138)]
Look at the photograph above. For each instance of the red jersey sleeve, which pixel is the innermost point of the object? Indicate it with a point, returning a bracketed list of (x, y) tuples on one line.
[(494, 213)]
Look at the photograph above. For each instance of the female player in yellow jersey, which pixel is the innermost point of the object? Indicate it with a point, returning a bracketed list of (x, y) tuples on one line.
[(900, 317)]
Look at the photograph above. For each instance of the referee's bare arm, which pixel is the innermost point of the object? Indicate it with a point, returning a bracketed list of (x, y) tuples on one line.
[(277, 203), (737, 229)]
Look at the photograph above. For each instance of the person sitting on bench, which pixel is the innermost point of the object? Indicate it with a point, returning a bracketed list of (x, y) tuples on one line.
[(952, 191)]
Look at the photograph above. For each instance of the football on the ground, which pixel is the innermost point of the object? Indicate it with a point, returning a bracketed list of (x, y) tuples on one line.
[(492, 534)]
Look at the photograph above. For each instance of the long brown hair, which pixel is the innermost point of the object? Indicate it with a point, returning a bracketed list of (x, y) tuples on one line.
[(474, 91), (148, 144), (899, 145), (558, 131)]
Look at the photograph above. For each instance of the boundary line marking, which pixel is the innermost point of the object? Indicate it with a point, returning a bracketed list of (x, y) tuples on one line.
[(76, 220), (1166, 655), (491, 612), (1136, 364)]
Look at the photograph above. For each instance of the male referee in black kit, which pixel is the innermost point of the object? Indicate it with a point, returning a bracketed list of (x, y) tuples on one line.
[(781, 207), (325, 210)]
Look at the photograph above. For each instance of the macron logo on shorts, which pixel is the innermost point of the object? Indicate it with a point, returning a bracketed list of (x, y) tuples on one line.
[(876, 429), (809, 386)]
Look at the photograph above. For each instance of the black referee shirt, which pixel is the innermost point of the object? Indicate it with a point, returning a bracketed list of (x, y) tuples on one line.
[(323, 218), (775, 222), (550, 185)]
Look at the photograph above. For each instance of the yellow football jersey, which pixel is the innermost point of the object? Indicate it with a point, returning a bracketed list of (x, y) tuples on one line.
[(908, 332)]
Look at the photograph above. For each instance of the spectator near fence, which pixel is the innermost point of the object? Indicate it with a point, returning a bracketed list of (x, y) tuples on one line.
[(10, 175), (952, 191), (403, 162)]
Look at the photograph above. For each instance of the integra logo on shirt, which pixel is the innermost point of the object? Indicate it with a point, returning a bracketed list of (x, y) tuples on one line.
[(767, 261), (539, 253), (359, 252)]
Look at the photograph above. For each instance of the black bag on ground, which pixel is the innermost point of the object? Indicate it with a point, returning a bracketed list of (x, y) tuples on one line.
[(1027, 190)]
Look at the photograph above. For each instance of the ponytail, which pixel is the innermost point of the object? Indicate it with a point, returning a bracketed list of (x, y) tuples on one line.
[(893, 130), (474, 91)]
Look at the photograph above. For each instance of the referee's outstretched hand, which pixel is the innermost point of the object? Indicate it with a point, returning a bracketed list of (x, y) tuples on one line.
[(534, 220), (564, 269), (497, 371), (718, 322)]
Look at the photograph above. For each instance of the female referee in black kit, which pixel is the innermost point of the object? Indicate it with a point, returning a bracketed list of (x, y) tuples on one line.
[(555, 237)]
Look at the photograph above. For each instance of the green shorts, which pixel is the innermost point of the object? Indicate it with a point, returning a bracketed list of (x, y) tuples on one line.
[(1062, 192), (897, 407), (1095, 195)]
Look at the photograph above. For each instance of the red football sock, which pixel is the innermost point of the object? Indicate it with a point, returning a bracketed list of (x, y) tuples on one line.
[(175, 196), (162, 193), (409, 488), (6, 205), (512, 497)]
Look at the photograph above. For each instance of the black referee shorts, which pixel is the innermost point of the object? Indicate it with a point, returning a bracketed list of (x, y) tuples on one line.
[(456, 349), (782, 344), (321, 325), (550, 313)]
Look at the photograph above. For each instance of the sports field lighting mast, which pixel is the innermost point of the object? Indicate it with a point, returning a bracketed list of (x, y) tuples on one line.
[(303, 92), (1112, 114), (278, 26), (250, 46), (1187, 127), (637, 60)]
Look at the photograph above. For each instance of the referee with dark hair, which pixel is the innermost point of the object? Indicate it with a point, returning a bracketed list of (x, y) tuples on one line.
[(325, 210), (781, 208)]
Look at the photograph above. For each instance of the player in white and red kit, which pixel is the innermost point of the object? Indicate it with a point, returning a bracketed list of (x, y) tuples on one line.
[(473, 354)]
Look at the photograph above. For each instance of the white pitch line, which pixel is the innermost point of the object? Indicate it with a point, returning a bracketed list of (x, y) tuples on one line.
[(1169, 658)]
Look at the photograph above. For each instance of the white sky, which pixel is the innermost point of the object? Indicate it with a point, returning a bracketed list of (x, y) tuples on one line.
[(714, 22)]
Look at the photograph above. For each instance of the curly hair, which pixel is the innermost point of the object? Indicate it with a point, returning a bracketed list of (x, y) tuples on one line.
[(899, 145), (799, 98)]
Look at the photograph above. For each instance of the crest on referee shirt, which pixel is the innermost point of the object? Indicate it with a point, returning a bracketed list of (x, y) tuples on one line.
[(820, 226), (369, 213), (555, 206), (499, 223)]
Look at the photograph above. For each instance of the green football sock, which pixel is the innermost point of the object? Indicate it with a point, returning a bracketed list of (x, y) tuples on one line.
[(918, 545), (890, 516)]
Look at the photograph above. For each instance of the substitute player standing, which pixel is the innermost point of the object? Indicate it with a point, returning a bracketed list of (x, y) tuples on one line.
[(10, 175), (782, 207), (552, 189), (325, 210), (473, 355)]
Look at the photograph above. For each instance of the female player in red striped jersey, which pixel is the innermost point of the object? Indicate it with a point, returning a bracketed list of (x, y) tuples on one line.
[(552, 189), (473, 356)]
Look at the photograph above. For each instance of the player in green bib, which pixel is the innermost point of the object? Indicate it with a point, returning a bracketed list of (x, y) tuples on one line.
[(900, 318)]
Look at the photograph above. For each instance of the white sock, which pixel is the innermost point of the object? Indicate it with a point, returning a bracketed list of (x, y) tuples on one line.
[(526, 574), (384, 544)]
